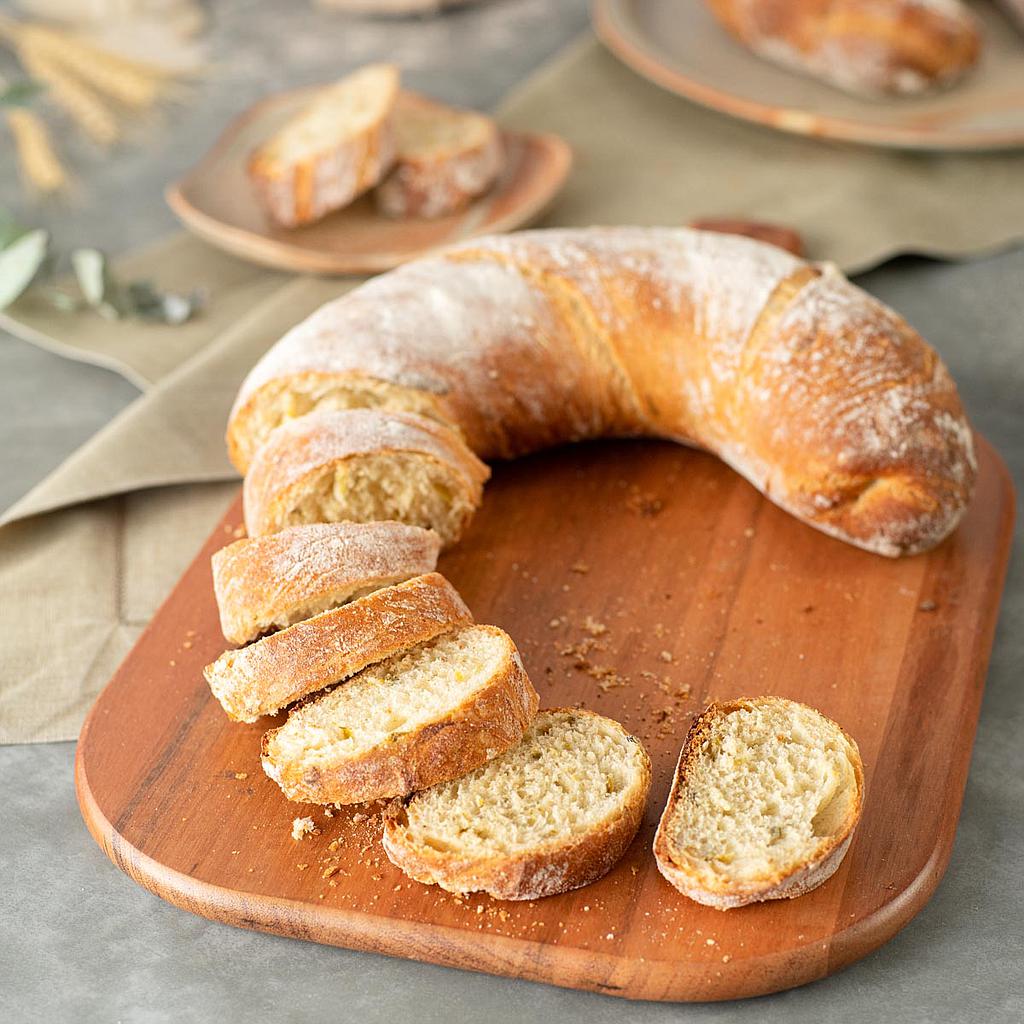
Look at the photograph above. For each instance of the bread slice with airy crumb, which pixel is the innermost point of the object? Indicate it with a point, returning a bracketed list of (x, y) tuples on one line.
[(553, 813), (338, 147), (445, 158), (766, 797), (267, 583), (278, 670), (362, 465), (425, 716)]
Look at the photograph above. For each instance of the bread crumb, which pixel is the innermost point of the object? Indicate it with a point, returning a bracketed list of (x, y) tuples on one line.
[(241, 775), (580, 567), (665, 656), (302, 827), (927, 606)]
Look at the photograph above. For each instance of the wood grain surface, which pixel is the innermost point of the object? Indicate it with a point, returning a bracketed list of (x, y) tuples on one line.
[(217, 201), (640, 579)]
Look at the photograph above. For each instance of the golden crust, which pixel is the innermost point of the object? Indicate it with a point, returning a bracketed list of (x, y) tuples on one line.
[(864, 46), (826, 400), (269, 582), (483, 726), (815, 869), (281, 668), (550, 869)]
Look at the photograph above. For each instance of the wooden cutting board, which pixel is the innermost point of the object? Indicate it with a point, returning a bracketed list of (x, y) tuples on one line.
[(640, 579)]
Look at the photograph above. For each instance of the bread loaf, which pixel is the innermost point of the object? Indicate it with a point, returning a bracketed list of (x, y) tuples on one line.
[(266, 583), (362, 465), (766, 796), (338, 147), (426, 716), (444, 158), (823, 398), (872, 47), (273, 672), (551, 814)]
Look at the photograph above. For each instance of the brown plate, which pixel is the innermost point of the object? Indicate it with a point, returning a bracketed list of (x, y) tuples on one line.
[(217, 202), (681, 47)]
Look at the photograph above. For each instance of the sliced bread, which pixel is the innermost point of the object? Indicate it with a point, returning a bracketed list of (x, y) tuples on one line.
[(422, 717), (362, 465), (335, 149), (279, 669), (552, 814), (766, 796), (445, 158), (267, 583)]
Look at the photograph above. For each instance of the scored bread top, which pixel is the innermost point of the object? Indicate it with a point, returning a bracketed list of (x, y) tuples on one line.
[(548, 815), (273, 672), (265, 583), (338, 112), (766, 796), (423, 716), (302, 458)]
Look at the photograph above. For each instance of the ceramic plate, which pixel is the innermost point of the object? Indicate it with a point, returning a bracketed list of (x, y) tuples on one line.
[(681, 47), (217, 202)]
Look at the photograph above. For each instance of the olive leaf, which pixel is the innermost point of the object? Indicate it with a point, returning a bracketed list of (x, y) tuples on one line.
[(19, 94), (96, 283), (20, 262)]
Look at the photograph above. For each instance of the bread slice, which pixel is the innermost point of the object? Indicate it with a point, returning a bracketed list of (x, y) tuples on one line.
[(267, 583), (363, 465), (552, 814), (338, 147), (422, 717), (766, 796), (279, 669), (446, 157)]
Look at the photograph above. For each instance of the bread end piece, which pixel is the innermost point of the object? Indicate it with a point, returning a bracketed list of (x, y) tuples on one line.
[(702, 852)]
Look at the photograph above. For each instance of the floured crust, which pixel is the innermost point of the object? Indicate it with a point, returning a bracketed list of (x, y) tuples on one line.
[(867, 47), (815, 869), (825, 399), (549, 869), (433, 180), (281, 668), (297, 190), (300, 452), (490, 721), (269, 582)]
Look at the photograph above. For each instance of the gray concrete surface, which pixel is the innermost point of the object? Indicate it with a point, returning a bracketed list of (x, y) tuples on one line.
[(80, 942)]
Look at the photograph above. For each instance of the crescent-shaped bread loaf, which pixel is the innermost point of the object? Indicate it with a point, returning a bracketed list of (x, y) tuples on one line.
[(823, 398)]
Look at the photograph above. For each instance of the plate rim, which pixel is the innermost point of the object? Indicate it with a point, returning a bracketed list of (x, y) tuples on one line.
[(615, 32)]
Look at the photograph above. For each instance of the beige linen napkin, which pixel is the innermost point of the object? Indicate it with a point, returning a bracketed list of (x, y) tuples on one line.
[(86, 557)]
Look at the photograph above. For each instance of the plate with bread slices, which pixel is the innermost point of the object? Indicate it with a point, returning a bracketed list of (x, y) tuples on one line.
[(907, 74), (360, 175), (627, 716)]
